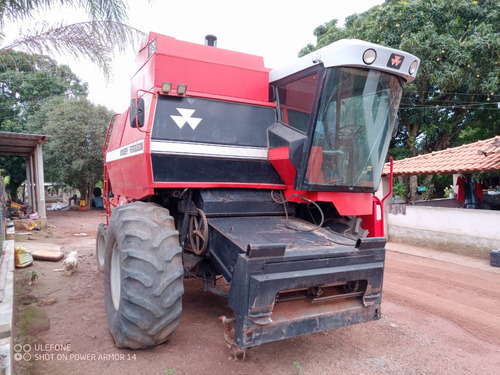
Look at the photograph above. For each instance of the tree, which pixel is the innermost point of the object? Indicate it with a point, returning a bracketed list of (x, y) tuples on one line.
[(28, 79), (26, 82), (73, 155), (458, 84), (95, 40)]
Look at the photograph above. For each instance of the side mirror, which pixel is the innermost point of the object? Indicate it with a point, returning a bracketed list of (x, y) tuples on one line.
[(137, 113)]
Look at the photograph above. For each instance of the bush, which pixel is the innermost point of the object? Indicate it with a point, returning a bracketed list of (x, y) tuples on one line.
[(398, 189)]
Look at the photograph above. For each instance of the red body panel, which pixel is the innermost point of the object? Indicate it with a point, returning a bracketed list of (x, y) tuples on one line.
[(347, 204), (374, 222), (207, 71), (356, 204), (131, 178), (117, 128), (280, 159), (126, 179)]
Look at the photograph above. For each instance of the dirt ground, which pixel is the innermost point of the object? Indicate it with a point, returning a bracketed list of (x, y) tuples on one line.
[(440, 315)]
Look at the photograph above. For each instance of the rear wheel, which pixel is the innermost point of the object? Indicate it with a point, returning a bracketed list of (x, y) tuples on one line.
[(100, 246), (143, 275)]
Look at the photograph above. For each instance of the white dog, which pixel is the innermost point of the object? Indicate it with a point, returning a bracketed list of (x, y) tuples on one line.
[(70, 264)]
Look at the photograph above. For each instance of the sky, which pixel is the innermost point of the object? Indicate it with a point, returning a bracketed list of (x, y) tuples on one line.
[(274, 29)]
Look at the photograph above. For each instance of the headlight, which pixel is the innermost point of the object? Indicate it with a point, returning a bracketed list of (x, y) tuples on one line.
[(369, 56), (413, 67)]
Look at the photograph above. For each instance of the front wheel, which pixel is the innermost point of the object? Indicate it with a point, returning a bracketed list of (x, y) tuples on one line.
[(143, 275)]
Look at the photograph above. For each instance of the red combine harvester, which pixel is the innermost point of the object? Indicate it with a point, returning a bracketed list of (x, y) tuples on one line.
[(224, 168)]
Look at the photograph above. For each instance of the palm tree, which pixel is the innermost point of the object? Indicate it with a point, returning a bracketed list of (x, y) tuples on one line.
[(95, 39)]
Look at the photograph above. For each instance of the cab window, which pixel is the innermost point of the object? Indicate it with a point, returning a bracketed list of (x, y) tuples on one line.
[(296, 101)]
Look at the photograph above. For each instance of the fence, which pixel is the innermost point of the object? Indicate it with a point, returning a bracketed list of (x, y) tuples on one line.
[(471, 232)]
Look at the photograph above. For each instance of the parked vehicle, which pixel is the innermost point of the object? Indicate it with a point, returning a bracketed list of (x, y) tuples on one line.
[(225, 170)]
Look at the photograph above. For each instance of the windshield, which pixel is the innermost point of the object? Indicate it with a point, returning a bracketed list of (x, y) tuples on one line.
[(353, 129)]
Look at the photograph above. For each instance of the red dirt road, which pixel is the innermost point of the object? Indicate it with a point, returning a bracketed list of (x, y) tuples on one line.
[(440, 315)]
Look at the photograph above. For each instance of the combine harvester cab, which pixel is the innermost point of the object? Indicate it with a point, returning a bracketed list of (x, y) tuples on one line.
[(264, 177)]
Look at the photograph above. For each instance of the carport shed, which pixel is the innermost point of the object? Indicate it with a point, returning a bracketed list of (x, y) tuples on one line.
[(30, 146)]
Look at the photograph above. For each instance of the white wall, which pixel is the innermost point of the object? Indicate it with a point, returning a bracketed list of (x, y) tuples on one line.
[(464, 231)]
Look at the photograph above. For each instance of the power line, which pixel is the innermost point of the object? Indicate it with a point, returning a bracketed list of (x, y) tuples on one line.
[(451, 93), (450, 105)]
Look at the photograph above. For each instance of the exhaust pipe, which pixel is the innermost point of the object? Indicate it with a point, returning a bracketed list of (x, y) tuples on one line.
[(211, 40)]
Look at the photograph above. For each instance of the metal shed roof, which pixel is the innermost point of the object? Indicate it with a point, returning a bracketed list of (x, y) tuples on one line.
[(20, 144)]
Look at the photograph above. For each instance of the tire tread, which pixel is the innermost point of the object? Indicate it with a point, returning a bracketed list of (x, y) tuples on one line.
[(151, 275)]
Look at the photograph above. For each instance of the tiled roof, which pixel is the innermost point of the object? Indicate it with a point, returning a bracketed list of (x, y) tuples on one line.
[(478, 157)]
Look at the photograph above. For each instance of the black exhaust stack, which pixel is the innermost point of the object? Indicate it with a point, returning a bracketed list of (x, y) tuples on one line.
[(211, 40)]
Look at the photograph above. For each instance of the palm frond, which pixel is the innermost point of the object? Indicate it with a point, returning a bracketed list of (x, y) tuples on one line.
[(94, 40), (109, 10)]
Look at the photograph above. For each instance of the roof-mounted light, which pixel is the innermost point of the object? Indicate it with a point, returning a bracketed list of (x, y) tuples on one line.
[(166, 87), (369, 56), (181, 89), (413, 67)]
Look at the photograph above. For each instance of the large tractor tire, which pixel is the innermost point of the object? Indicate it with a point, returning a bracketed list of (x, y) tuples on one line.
[(100, 245), (143, 275)]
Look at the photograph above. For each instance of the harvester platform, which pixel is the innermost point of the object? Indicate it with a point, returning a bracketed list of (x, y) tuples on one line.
[(289, 278)]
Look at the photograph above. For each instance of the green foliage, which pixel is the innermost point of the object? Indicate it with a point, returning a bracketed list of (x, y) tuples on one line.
[(298, 367), (33, 275), (77, 128), (454, 98), (95, 40), (26, 82), (114, 10), (398, 189), (15, 168), (448, 190), (430, 188), (442, 182)]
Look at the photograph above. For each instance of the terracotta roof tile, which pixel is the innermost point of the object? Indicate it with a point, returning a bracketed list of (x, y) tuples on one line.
[(478, 157)]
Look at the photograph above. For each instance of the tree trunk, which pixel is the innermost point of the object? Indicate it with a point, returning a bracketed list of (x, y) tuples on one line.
[(413, 187)]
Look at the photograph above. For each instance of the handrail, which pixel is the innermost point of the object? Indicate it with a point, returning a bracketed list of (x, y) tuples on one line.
[(391, 160), (105, 171), (107, 133)]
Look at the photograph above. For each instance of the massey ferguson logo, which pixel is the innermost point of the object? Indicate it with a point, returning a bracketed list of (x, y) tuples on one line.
[(395, 61), (186, 117)]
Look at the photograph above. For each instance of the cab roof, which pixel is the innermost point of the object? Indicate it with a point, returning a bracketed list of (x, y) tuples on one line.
[(349, 52)]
